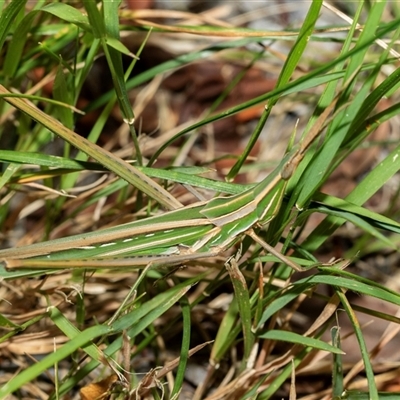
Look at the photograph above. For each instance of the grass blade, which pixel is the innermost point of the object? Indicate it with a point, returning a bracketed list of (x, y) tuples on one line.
[(305, 341)]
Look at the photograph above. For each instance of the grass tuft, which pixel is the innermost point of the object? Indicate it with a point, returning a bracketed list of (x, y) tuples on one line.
[(140, 259)]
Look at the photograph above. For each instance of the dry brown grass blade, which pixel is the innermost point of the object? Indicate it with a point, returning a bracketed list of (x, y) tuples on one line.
[(205, 17)]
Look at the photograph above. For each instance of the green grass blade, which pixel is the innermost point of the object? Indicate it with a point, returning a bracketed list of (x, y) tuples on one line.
[(69, 14), (8, 174), (16, 45), (111, 33), (357, 221), (243, 301), (305, 341), (375, 219), (337, 375), (6, 323), (185, 346), (354, 283), (227, 326), (8, 17), (373, 391), (62, 93)]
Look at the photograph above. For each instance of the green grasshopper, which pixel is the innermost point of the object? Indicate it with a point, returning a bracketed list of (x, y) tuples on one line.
[(201, 230)]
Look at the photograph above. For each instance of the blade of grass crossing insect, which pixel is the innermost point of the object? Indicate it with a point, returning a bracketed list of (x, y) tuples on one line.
[(288, 170), (284, 77), (115, 164)]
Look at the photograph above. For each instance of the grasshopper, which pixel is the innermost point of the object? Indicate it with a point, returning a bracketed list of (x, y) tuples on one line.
[(200, 230)]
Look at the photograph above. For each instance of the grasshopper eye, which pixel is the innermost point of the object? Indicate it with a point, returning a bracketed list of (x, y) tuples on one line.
[(289, 168)]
